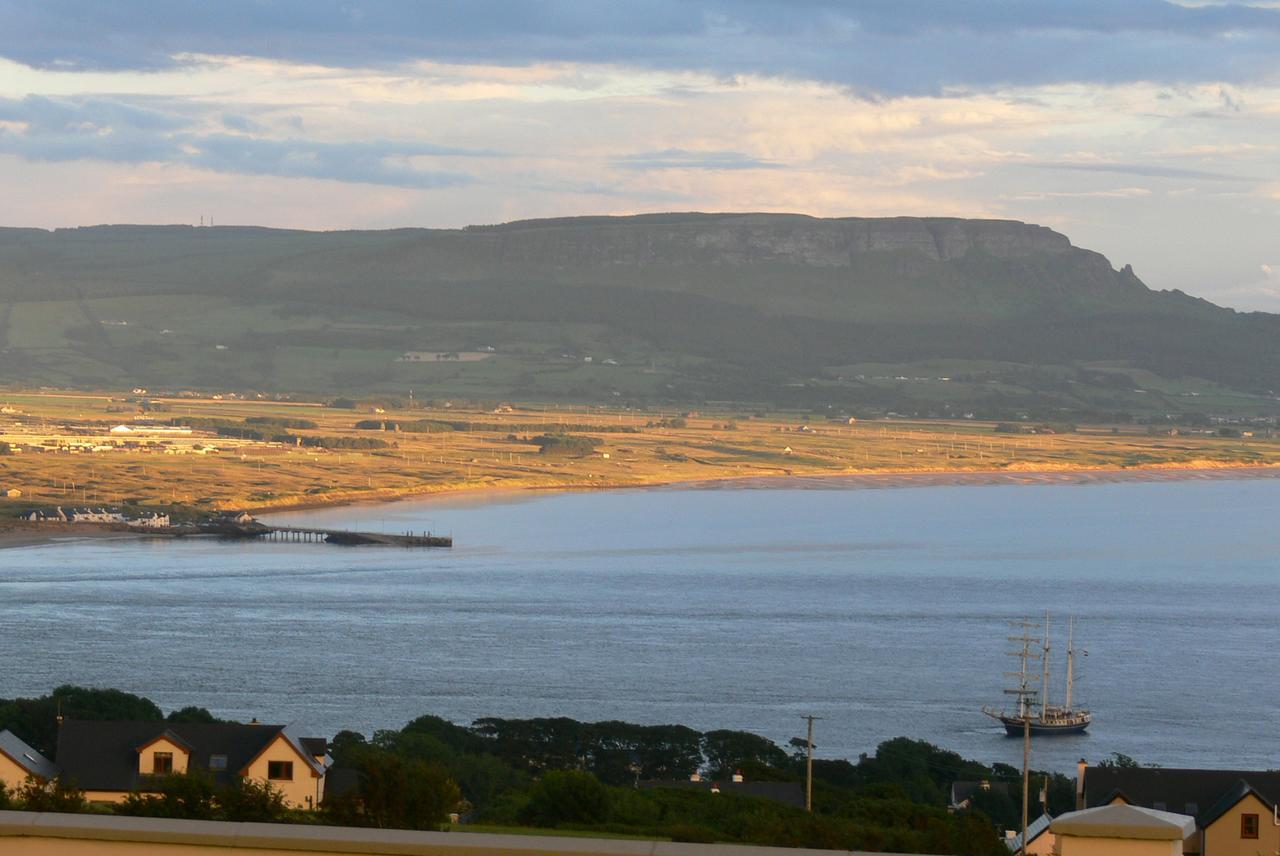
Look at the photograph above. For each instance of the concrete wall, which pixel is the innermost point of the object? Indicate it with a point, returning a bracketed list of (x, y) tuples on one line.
[(1222, 837), (30, 834)]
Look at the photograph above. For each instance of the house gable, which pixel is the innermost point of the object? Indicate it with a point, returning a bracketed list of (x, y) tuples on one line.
[(152, 753), (290, 770), (1224, 832)]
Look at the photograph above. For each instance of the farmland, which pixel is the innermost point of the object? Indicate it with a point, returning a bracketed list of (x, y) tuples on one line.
[(269, 454)]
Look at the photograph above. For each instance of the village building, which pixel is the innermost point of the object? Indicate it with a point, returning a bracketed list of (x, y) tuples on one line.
[(151, 521), (96, 515), (1235, 811), (109, 760)]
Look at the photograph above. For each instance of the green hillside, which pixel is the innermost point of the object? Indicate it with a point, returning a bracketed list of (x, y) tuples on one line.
[(935, 316)]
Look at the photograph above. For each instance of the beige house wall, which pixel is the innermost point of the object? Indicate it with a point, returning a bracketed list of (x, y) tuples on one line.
[(1043, 845), (1076, 845), (304, 790), (146, 758), (1222, 837), (12, 776)]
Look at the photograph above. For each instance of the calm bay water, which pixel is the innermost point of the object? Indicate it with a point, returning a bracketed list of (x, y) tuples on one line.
[(883, 611)]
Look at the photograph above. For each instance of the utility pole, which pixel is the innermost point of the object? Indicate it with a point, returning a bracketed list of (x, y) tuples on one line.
[(808, 786), (1026, 705)]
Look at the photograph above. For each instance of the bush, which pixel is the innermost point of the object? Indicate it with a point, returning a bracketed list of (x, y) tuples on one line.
[(564, 445), (396, 794), (566, 797)]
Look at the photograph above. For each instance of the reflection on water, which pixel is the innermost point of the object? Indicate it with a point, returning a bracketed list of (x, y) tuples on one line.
[(882, 611)]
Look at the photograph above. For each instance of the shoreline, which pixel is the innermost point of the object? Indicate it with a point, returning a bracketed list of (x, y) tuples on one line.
[(847, 480), (17, 534)]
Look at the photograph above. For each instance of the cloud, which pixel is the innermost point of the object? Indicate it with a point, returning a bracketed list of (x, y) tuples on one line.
[(875, 46), (1143, 169), (684, 159), (1113, 193), (47, 129)]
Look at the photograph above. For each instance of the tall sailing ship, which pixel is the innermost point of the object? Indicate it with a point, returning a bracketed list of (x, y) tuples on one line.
[(1043, 717)]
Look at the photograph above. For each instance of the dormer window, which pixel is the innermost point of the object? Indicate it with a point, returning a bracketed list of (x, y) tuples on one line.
[(162, 763), (217, 762)]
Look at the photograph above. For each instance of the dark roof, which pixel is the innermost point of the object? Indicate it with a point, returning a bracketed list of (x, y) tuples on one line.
[(25, 757), (788, 793), (318, 747), (340, 781), (103, 756), (1193, 792), (1228, 801)]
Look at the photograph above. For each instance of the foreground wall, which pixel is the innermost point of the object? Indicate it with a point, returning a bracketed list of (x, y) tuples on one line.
[(33, 834)]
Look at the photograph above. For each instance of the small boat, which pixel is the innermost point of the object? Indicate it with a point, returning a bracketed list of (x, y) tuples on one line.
[(1045, 718)]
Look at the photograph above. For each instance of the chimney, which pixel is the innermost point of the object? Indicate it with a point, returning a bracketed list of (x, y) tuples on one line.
[(1081, 766)]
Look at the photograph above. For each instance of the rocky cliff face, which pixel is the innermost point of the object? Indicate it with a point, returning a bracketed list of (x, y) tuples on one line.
[(745, 239)]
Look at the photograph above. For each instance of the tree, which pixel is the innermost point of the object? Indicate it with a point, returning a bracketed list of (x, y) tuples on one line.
[(184, 796), (566, 797), (727, 751), (247, 800), (1118, 760), (191, 713), (395, 794), (56, 796), (35, 720)]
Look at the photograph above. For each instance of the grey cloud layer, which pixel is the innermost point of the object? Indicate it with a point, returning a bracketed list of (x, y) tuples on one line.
[(112, 130), (878, 46)]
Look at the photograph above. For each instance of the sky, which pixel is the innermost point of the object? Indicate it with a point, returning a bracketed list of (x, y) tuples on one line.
[(1143, 129)]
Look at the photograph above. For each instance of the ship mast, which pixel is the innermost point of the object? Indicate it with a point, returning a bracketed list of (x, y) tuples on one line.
[(1044, 671), (1071, 658)]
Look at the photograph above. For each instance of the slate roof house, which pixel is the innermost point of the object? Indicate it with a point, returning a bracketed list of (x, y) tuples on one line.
[(1235, 810), (108, 760)]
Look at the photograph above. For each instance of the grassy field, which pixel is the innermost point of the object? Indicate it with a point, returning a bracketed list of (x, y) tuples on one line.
[(480, 449)]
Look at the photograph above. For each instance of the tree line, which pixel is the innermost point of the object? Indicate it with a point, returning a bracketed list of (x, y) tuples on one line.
[(562, 773)]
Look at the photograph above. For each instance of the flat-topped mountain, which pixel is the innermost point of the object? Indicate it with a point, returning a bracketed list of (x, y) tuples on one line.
[(762, 307)]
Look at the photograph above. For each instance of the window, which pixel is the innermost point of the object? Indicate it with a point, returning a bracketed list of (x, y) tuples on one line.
[(282, 771), (217, 762), (1248, 826), (162, 763)]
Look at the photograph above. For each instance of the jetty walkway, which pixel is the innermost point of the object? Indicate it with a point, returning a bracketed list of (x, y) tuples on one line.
[(346, 537)]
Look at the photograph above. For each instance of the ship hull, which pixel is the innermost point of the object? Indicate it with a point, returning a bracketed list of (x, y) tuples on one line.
[(1014, 727)]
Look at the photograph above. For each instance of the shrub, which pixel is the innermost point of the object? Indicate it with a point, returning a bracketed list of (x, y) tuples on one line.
[(566, 797), (564, 445)]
